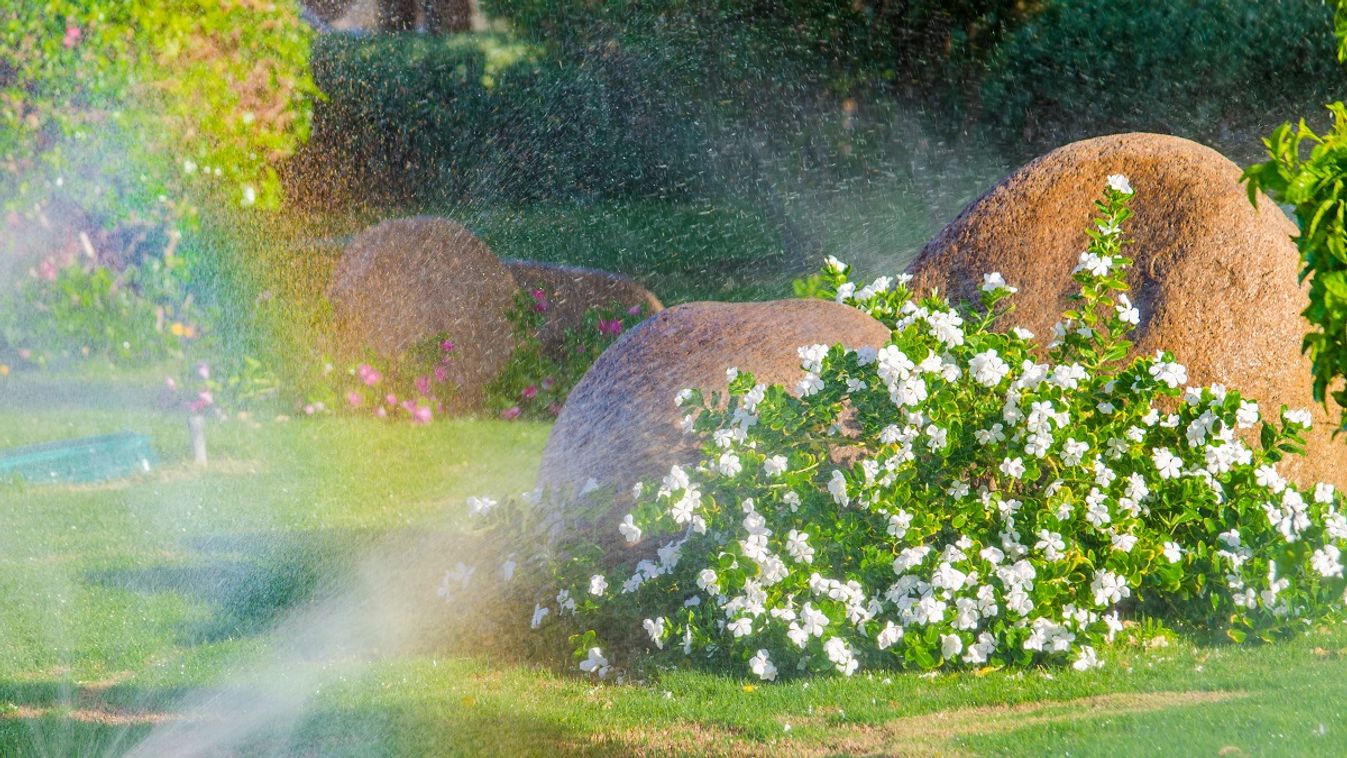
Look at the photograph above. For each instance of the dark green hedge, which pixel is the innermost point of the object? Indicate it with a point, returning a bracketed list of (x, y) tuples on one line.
[(1212, 69), (473, 118)]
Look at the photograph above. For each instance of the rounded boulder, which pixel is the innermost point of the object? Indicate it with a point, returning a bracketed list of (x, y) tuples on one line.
[(1215, 278), (620, 423), (406, 280)]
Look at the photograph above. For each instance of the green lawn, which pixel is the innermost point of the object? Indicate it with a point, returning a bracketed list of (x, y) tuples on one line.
[(282, 601)]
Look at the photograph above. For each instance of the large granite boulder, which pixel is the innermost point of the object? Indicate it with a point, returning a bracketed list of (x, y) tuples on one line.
[(568, 292), (620, 423), (406, 280), (1214, 278)]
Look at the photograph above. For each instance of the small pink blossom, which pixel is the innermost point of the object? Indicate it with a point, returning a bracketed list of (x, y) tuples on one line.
[(423, 385), (170, 383), (203, 370), (25, 353), (421, 415), (368, 374), (529, 392), (355, 399), (72, 36), (539, 300), (447, 346), (310, 409), (46, 270), (548, 383), (391, 400), (381, 412), (610, 326), (509, 414), (441, 373), (635, 310), (203, 401)]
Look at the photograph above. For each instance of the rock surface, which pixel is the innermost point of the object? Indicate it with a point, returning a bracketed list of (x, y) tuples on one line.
[(571, 291), (620, 422), (405, 280), (1214, 278)]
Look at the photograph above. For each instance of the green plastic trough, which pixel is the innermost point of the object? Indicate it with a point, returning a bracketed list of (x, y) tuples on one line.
[(83, 461)]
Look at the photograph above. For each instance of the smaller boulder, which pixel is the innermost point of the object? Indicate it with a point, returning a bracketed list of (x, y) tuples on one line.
[(620, 423), (568, 292), (405, 280)]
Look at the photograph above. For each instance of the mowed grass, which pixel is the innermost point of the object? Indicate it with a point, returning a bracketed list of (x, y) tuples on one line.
[(121, 603)]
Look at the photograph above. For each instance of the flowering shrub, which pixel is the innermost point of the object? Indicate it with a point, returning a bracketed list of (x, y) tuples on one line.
[(950, 501), (534, 384)]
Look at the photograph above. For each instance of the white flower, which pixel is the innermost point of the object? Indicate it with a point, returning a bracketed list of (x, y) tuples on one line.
[(837, 487), (595, 664), (729, 464), (811, 384), (655, 628), (774, 466), (834, 265), (1012, 467), (994, 281), (1052, 545), (1323, 493), (1094, 263), (539, 613), (707, 580), (841, 656), (1124, 542), (1127, 312), (762, 666), (798, 547), (740, 627), (811, 357), (988, 368), (899, 523), (1166, 463), (479, 506), (1109, 588), (1168, 372), (1088, 659), (629, 529), (597, 585), (1327, 560), (683, 396), (1073, 451), (1247, 415), (950, 645), (889, 635), (1300, 418), (1119, 183), (1173, 552)]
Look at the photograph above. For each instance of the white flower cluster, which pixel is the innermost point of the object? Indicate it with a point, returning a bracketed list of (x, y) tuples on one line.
[(991, 509)]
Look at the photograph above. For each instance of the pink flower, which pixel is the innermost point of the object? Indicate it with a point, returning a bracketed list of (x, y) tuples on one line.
[(170, 383), (635, 310), (46, 270), (368, 375), (539, 300), (548, 383), (391, 399), (554, 409), (610, 326), (447, 346), (310, 409), (25, 353), (381, 412), (441, 373), (529, 392), (203, 370), (509, 414), (72, 36), (355, 399), (423, 385), (421, 415), (203, 401)]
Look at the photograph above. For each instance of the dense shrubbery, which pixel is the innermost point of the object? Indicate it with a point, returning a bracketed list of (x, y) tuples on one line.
[(973, 508), (1192, 68), (438, 119), (126, 127)]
